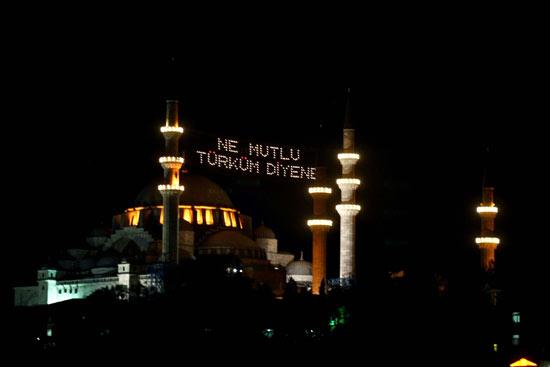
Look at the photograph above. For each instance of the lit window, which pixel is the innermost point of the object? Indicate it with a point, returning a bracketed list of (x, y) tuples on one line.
[(133, 218), (515, 339), (199, 216), (161, 216), (209, 216), (516, 317), (188, 215), (495, 347), (233, 220), (226, 219)]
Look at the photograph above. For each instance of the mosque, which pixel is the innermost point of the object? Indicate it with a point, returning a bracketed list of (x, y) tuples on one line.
[(126, 254), (202, 222)]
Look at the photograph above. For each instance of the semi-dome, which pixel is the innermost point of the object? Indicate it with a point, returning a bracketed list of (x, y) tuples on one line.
[(231, 243), (199, 190), (264, 232)]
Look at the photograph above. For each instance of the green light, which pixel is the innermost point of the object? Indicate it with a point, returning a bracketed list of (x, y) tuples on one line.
[(268, 333), (341, 318)]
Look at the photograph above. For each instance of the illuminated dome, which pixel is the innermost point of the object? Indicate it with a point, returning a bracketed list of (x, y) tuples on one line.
[(298, 267), (264, 232), (231, 243), (199, 190)]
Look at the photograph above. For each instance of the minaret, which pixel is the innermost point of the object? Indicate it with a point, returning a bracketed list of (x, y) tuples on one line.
[(171, 189), (319, 225), (487, 241), (348, 209)]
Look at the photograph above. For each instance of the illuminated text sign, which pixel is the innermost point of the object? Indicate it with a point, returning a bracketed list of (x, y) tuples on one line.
[(254, 158)]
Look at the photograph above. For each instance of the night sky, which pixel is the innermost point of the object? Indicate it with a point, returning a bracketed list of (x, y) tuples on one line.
[(89, 120)]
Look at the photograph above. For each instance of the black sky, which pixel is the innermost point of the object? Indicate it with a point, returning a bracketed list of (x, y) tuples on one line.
[(87, 115)]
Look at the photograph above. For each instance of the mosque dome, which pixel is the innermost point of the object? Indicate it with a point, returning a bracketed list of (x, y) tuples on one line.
[(298, 267), (231, 243), (199, 190), (264, 232)]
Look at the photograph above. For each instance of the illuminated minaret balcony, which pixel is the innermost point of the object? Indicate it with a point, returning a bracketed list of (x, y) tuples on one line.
[(171, 130), (169, 189), (487, 209), (348, 187), (488, 241), (326, 223), (488, 212), (320, 190), (348, 209), (348, 159), (171, 162)]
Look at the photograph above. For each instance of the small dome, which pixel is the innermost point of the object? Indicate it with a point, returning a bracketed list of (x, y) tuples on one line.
[(199, 190), (264, 232), (299, 267)]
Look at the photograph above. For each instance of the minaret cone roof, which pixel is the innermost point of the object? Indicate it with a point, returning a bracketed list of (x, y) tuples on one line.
[(347, 118)]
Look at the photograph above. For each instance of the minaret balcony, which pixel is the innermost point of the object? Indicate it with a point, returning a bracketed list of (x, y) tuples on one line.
[(171, 162), (169, 189), (171, 129), (325, 223), (348, 209), (487, 209), (348, 184), (319, 190), (487, 241), (348, 159)]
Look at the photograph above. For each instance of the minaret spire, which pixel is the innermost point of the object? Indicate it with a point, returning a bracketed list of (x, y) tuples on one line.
[(171, 189), (348, 209), (348, 124)]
